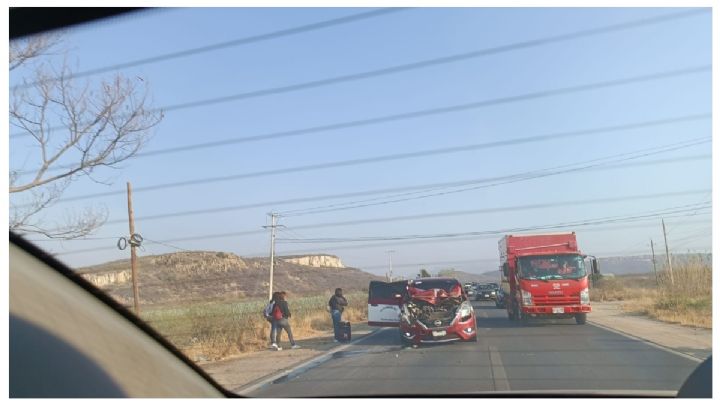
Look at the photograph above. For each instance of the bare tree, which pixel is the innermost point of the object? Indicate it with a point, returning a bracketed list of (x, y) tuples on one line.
[(73, 128)]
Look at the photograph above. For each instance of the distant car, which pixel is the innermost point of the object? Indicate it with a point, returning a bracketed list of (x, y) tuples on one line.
[(470, 290), (486, 292)]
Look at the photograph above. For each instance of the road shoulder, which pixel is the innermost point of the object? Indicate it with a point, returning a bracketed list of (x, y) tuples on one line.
[(239, 372), (691, 341)]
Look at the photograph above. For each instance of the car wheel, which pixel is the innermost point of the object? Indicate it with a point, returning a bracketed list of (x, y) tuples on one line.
[(404, 342)]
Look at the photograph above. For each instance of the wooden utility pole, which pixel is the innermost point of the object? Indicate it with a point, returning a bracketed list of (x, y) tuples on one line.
[(652, 248), (133, 257), (667, 253)]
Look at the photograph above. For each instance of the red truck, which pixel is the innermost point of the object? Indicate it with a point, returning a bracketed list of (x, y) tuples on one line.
[(545, 276)]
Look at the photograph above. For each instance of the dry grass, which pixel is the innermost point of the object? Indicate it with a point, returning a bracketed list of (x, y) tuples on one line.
[(210, 331), (686, 299)]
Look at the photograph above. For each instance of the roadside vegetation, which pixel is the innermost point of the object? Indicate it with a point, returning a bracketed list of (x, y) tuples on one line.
[(214, 330), (685, 299)]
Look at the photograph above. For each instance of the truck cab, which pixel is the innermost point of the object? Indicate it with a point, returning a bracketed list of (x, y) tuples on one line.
[(545, 276)]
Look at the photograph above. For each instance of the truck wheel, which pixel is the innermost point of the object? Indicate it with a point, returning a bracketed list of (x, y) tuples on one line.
[(581, 318)]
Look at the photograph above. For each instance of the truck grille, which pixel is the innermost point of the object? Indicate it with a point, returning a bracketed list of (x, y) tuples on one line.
[(555, 300)]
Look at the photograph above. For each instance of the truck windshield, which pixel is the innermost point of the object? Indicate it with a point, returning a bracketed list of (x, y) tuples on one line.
[(552, 267)]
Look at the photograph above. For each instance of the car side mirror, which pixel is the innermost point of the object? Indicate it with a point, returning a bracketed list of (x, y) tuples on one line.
[(594, 265), (505, 270)]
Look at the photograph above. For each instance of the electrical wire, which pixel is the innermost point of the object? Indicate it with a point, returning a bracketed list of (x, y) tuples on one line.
[(353, 247), (528, 175), (609, 219), (248, 40), (438, 61), (465, 148), (224, 235), (345, 163)]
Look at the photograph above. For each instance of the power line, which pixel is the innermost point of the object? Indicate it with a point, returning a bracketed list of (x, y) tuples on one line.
[(496, 209), (294, 233), (372, 192), (235, 42), (493, 181), (311, 167), (388, 118), (225, 235), (167, 245), (73, 239), (423, 64), (454, 240), (610, 219)]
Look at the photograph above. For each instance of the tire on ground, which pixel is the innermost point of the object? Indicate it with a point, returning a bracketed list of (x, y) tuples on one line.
[(581, 318)]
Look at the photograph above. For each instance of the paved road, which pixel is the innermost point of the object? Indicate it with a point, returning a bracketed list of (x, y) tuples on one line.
[(557, 355)]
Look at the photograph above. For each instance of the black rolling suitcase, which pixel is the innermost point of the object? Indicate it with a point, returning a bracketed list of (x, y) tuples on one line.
[(345, 332)]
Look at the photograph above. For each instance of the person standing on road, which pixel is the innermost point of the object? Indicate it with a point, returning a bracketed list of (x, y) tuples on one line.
[(281, 314), (269, 317), (337, 305)]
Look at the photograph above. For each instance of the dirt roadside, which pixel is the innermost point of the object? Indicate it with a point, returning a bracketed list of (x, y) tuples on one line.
[(696, 342), (238, 371)]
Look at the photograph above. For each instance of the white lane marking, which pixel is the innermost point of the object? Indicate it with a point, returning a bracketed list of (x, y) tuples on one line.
[(648, 342), (498, 370), (310, 363)]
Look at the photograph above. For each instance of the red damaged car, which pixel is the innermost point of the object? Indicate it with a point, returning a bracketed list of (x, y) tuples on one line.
[(426, 310)]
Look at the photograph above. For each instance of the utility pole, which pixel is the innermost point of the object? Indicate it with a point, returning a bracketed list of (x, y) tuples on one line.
[(390, 273), (133, 257), (273, 226), (667, 253), (652, 247)]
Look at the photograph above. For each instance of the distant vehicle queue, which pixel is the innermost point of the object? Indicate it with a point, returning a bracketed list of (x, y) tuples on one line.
[(542, 276)]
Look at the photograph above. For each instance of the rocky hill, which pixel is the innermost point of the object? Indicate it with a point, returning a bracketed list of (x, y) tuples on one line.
[(213, 276)]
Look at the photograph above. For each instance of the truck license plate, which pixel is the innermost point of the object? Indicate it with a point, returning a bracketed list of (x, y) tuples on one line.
[(558, 310), (439, 333)]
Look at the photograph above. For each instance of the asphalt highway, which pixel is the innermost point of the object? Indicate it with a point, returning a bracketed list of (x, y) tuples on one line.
[(545, 356)]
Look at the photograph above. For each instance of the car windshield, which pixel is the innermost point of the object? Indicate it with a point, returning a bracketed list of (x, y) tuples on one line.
[(446, 285), (261, 186)]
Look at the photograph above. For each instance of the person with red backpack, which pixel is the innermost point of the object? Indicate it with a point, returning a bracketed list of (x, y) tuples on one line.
[(268, 314), (281, 314)]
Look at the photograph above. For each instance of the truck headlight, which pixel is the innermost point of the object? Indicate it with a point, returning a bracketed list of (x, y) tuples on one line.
[(585, 296), (526, 297)]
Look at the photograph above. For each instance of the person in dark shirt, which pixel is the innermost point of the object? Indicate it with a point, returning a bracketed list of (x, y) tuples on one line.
[(336, 306), (273, 330), (281, 314)]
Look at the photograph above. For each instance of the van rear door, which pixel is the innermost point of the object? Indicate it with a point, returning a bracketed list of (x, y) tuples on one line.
[(383, 306)]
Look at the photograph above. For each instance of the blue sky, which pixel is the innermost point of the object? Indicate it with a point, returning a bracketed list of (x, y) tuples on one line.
[(393, 39)]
